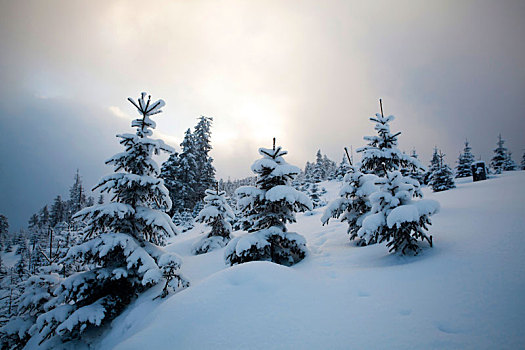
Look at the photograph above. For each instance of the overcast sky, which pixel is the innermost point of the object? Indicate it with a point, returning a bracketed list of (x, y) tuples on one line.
[(307, 72)]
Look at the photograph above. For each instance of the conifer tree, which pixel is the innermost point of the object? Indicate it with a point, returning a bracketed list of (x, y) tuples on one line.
[(205, 172), (434, 165), (37, 291), (523, 161), (353, 204), (395, 217), (443, 178), (319, 172), (170, 173), (381, 154), (510, 164), (267, 208), (180, 175), (415, 172), (463, 169), (77, 194), (217, 214), (58, 210), (330, 168), (121, 249), (315, 193), (4, 228), (44, 219), (500, 156), (342, 169)]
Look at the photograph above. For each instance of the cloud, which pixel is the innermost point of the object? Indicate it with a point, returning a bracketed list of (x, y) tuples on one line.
[(117, 112)]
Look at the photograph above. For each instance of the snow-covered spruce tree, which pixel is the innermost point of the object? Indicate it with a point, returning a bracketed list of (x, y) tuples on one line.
[(342, 169), (413, 171), (77, 195), (330, 167), (180, 175), (353, 205), (433, 166), (122, 238), (381, 154), (202, 143), (315, 193), (4, 228), (464, 162), (395, 217), (267, 208), (37, 291), (442, 178), (510, 164), (170, 174), (217, 214), (500, 156), (319, 172)]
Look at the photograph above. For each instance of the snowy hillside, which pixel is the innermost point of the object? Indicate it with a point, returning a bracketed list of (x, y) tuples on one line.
[(466, 292)]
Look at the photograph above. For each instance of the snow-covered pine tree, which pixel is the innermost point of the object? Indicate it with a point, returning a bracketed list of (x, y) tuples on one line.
[(463, 169), (434, 165), (121, 239), (319, 172), (523, 161), (442, 179), (37, 291), (217, 214), (353, 204), (205, 172), (170, 172), (412, 171), (309, 171), (417, 173), (330, 168), (44, 218), (500, 156), (395, 217), (4, 228), (267, 208), (381, 153), (510, 164), (315, 193), (342, 169), (187, 172), (58, 211), (77, 194)]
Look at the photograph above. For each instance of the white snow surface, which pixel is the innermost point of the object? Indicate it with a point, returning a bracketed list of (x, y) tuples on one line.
[(464, 293)]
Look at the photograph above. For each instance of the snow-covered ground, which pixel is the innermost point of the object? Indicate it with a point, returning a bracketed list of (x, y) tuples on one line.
[(468, 292)]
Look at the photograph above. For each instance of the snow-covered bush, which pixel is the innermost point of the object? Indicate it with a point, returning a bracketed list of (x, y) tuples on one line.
[(217, 214), (267, 208), (353, 204), (395, 217), (123, 234)]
